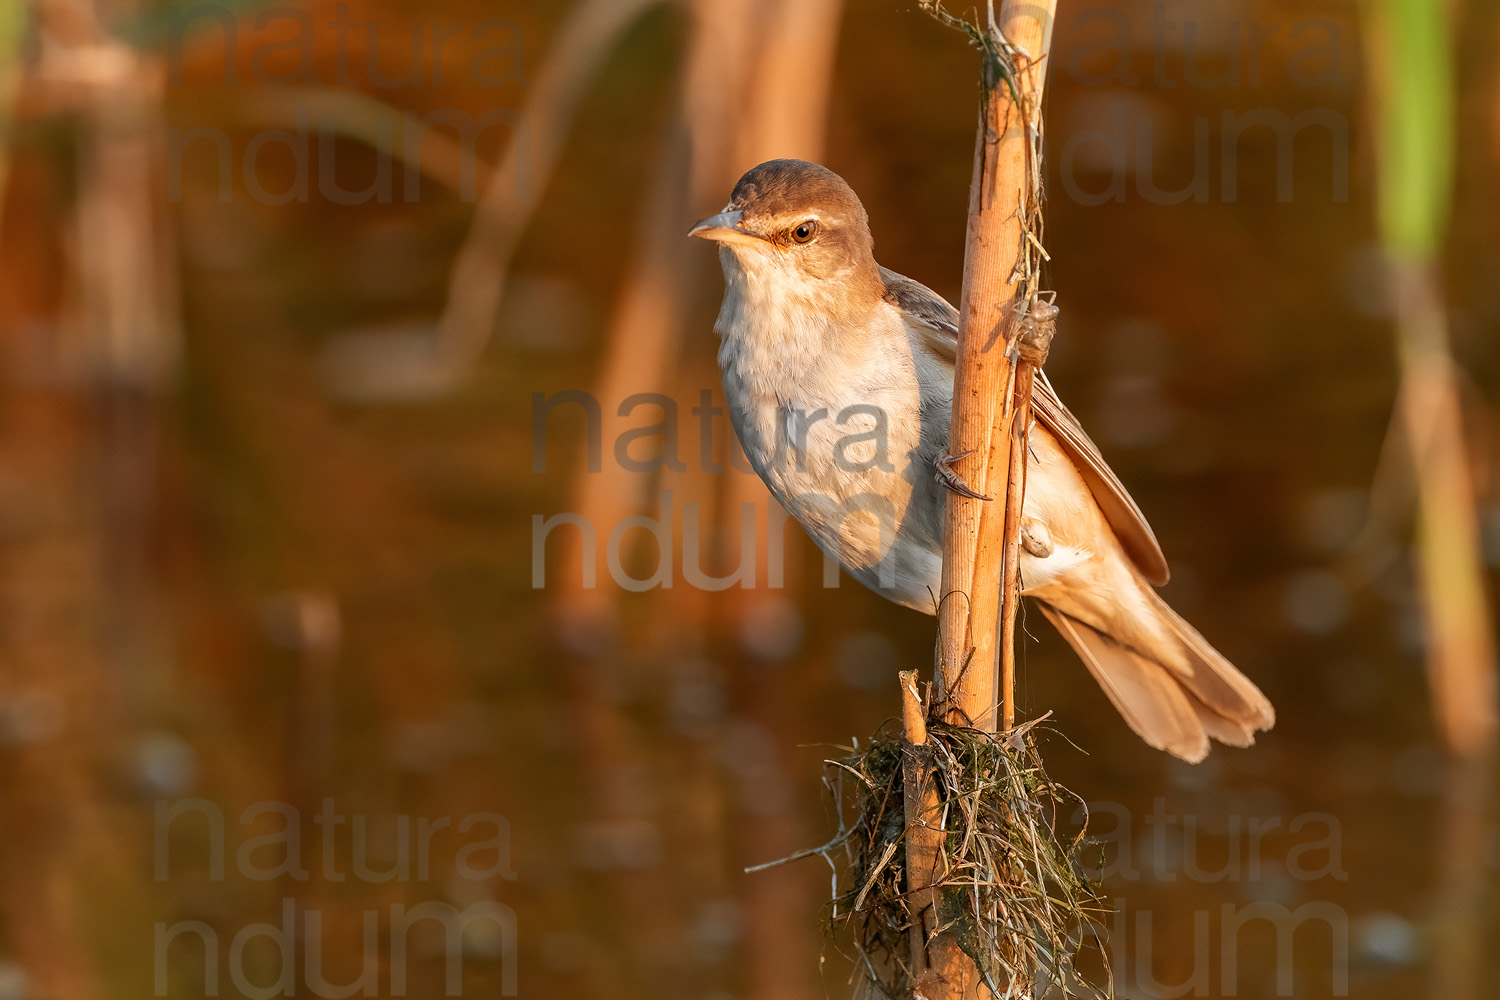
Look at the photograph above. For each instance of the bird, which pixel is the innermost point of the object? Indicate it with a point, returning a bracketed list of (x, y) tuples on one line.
[(838, 381)]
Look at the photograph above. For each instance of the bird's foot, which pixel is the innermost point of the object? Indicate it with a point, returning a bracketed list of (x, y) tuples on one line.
[(952, 481), (1035, 538)]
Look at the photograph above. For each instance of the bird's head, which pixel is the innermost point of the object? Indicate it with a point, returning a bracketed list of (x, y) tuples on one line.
[(790, 221)]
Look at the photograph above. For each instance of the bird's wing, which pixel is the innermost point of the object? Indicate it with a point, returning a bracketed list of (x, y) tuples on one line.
[(932, 316), (1130, 526)]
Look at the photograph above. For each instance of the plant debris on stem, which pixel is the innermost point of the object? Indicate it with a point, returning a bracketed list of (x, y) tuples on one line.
[(1015, 890)]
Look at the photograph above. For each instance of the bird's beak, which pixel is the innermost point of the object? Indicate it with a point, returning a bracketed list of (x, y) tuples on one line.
[(727, 227)]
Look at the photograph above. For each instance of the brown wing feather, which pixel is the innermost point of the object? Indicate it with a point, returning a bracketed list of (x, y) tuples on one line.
[(922, 304), (1130, 526), (933, 315)]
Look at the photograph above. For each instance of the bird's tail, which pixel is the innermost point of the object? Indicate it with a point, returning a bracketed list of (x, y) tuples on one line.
[(1173, 708)]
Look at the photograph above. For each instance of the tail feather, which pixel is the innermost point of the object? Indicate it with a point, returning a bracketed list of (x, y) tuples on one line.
[(1223, 728), (1176, 710), (1149, 698), (1215, 681)]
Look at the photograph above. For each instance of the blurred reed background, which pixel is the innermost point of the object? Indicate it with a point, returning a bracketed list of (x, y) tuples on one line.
[(273, 332)]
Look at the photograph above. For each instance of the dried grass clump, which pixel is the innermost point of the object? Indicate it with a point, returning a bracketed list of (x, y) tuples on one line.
[(1015, 892)]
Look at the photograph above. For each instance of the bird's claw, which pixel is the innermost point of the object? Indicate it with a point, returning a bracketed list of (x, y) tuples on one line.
[(1035, 538), (954, 483)]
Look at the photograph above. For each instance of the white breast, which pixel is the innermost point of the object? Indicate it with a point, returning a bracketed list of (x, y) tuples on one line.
[(831, 425)]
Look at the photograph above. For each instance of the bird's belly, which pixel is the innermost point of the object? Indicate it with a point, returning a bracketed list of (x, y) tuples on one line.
[(851, 475)]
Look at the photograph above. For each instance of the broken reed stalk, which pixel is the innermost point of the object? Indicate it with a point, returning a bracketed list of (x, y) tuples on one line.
[(924, 842), (991, 411)]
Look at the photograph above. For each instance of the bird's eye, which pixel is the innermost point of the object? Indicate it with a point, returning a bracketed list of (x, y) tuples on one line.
[(804, 232)]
